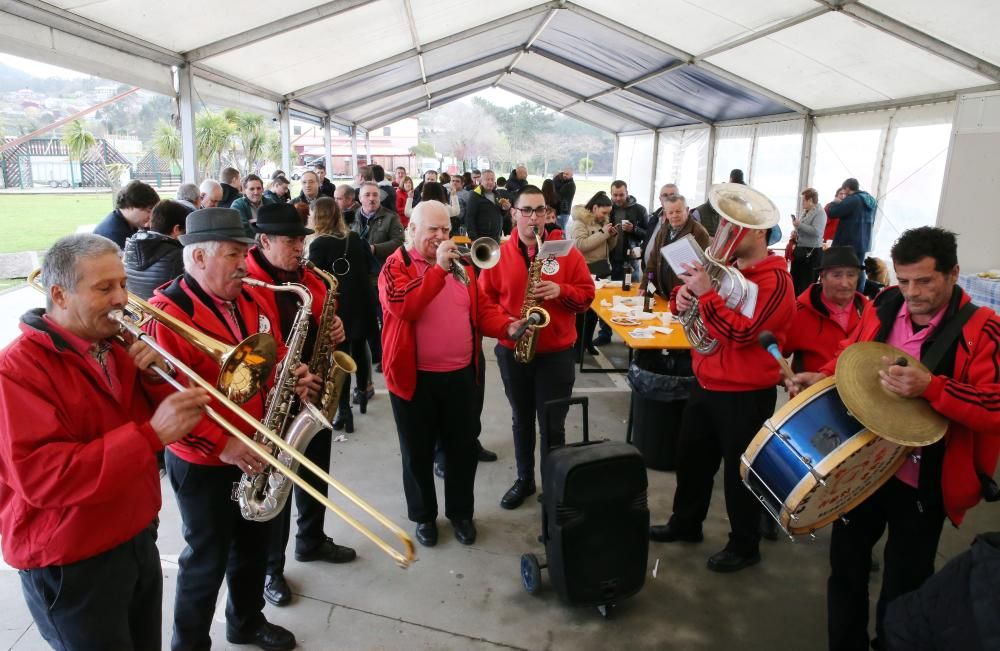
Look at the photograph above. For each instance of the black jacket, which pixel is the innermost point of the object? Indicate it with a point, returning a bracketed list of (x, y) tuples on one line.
[(637, 215), (566, 189), (350, 260), (327, 188), (229, 195), (115, 228), (483, 218), (417, 191), (957, 608), (276, 198), (151, 259)]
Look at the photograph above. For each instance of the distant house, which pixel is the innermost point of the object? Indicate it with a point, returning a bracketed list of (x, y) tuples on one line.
[(45, 162)]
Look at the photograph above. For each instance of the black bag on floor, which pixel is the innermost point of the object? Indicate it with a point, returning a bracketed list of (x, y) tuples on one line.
[(595, 519)]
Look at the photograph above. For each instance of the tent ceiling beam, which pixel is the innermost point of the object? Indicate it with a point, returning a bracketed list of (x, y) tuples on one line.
[(616, 87), (412, 24), (922, 40), (280, 26), (474, 88), (433, 45), (580, 99), (534, 37)]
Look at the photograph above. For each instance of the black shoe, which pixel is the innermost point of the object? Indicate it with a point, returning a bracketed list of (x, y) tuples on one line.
[(768, 527), (378, 367), (439, 470), (465, 531), (344, 421), (515, 496), (266, 635), (427, 533), (276, 590), (729, 560), (593, 351), (602, 339), (669, 533), (328, 551), (486, 455)]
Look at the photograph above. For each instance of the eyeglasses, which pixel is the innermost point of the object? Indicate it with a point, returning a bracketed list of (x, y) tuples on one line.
[(540, 211)]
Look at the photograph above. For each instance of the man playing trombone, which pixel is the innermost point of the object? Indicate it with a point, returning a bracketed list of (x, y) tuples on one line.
[(277, 258), (204, 465), (79, 486)]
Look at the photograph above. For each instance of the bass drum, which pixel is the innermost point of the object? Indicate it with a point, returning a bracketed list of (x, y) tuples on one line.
[(812, 462)]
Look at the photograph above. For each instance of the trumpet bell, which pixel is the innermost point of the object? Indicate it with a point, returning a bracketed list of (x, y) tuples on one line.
[(485, 253)]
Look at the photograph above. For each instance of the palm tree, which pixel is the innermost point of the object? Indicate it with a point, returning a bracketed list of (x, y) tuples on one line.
[(167, 142), (250, 129), (212, 134), (79, 142)]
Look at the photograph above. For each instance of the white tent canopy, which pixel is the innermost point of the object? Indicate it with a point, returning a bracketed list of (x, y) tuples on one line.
[(792, 91)]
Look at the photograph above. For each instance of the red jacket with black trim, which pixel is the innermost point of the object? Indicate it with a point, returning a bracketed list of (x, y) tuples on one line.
[(78, 469), (739, 363), (312, 282), (969, 398), (187, 302), (814, 336), (404, 295), (505, 284)]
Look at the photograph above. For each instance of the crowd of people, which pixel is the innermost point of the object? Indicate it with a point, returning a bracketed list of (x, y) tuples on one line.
[(79, 483)]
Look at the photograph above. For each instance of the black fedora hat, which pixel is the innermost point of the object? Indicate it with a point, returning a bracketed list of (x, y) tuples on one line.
[(213, 225), (280, 219), (839, 256)]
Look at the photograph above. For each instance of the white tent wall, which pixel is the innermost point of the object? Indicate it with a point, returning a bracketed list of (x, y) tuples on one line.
[(634, 165), (774, 170), (682, 158)]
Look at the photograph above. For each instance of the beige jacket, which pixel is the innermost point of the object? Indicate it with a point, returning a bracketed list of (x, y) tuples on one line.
[(586, 232)]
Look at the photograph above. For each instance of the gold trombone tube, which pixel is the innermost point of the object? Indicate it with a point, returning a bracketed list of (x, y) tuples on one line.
[(402, 558)]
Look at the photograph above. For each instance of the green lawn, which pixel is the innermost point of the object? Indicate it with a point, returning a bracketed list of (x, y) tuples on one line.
[(584, 189), (32, 222)]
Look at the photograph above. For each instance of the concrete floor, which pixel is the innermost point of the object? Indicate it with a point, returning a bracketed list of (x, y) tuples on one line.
[(456, 597)]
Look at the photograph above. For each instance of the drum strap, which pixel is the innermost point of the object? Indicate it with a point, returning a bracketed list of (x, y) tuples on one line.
[(951, 331)]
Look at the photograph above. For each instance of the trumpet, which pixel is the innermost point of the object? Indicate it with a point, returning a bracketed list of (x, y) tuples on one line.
[(128, 323), (483, 253)]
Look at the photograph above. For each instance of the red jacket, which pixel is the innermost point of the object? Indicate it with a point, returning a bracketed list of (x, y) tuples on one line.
[(184, 300), (266, 297), (77, 467), (404, 295), (969, 398), (739, 363), (814, 336), (505, 284), (401, 197)]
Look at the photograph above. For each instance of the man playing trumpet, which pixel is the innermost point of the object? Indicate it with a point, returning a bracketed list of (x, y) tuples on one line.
[(204, 465), (79, 485), (276, 259)]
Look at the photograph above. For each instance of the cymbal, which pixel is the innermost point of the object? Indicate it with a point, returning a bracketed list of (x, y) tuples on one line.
[(904, 421)]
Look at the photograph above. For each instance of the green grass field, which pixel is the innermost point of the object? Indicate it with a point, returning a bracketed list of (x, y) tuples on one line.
[(32, 222)]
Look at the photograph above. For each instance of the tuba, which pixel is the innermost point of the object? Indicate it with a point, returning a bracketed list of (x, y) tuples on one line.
[(524, 350), (742, 208), (333, 366), (263, 495)]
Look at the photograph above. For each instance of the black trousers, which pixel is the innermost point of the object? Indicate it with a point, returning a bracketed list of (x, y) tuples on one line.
[(358, 350), (311, 513), (717, 427), (220, 544), (529, 386), (111, 601), (804, 263), (477, 406), (914, 532), (442, 408)]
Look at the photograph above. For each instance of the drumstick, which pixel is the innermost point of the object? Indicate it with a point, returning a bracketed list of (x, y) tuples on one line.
[(770, 343)]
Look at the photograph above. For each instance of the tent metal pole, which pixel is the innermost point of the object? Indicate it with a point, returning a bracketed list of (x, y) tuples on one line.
[(368, 146), (710, 167), (185, 115), (285, 125), (354, 151), (653, 166), (805, 160), (614, 159), (328, 144)]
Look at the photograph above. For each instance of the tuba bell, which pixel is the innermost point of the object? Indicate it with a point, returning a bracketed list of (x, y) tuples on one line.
[(742, 209)]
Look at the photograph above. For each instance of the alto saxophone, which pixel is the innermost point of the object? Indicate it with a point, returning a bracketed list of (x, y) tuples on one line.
[(524, 349), (262, 496), (332, 365)]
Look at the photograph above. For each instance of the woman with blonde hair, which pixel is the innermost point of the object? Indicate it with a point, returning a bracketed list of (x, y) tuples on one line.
[(404, 200), (340, 251)]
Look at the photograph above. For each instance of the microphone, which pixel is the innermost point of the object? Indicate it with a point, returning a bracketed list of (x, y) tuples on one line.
[(770, 343), (533, 319)]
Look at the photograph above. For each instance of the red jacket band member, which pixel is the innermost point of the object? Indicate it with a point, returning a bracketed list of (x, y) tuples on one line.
[(735, 394), (277, 259), (827, 311), (204, 465), (431, 339), (79, 485), (944, 480), (565, 289)]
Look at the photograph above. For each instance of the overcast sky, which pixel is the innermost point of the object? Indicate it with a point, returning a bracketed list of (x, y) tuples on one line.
[(38, 69)]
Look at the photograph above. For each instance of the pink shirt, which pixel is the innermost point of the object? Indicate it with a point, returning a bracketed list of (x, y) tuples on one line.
[(83, 347), (842, 316), (444, 331), (228, 311), (904, 338)]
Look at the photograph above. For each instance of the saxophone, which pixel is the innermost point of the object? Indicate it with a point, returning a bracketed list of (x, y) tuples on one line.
[(262, 496), (524, 350), (332, 365)]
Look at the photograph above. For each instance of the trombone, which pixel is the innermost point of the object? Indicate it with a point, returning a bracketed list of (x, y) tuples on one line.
[(143, 312)]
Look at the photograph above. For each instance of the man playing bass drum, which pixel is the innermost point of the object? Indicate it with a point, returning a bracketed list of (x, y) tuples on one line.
[(276, 259), (564, 289)]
